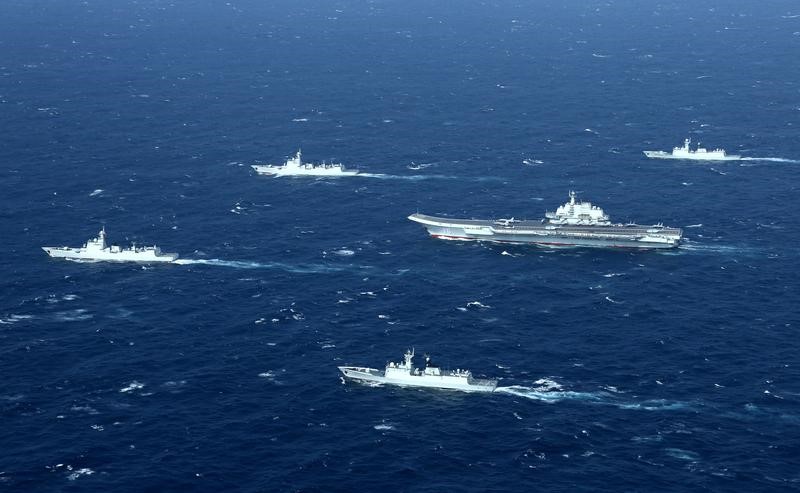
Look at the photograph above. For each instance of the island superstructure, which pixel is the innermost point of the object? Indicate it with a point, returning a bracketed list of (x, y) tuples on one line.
[(294, 166), (96, 249), (574, 224), (701, 154), (406, 375)]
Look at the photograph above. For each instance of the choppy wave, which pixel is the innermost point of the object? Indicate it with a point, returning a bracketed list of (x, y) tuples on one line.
[(13, 318), (77, 315), (134, 385)]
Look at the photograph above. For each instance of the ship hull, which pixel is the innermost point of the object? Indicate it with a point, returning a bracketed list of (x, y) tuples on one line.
[(318, 172), (691, 157), (541, 234), (377, 377), (77, 254)]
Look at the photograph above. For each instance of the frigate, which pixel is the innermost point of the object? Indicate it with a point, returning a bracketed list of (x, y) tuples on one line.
[(700, 154), (574, 224), (406, 375), (294, 166), (96, 249)]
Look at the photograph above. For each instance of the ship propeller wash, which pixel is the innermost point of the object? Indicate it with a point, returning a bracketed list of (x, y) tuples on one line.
[(406, 375), (701, 154), (574, 224), (295, 166), (96, 249)]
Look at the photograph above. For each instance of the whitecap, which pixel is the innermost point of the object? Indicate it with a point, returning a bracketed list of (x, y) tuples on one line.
[(77, 315), (84, 409), (134, 385), (651, 438), (384, 427), (547, 385), (172, 384), (12, 319), (80, 472), (682, 454), (344, 252), (477, 304)]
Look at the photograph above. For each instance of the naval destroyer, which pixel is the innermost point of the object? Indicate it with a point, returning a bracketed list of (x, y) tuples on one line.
[(295, 166), (406, 375), (701, 154), (96, 249), (574, 224)]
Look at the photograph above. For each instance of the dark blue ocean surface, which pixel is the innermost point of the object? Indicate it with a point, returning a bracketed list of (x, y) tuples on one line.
[(623, 371)]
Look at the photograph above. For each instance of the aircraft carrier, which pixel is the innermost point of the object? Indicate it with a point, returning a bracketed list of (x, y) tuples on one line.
[(574, 224)]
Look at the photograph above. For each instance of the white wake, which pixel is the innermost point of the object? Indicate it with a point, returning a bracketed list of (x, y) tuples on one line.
[(383, 176), (244, 264), (771, 159), (557, 394)]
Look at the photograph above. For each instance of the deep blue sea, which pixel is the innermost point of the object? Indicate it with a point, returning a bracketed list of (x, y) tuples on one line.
[(622, 371)]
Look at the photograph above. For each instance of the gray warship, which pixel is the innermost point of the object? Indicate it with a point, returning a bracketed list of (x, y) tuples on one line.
[(97, 250), (574, 224), (700, 154), (406, 375)]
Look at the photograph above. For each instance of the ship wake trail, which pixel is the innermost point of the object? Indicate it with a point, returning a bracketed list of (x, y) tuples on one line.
[(772, 159), (599, 398), (382, 176), (243, 264), (715, 249), (550, 396)]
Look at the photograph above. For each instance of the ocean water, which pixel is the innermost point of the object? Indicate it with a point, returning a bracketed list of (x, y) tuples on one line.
[(621, 371)]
